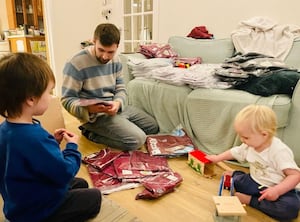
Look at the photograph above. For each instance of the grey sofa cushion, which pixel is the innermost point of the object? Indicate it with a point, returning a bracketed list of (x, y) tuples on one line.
[(210, 50)]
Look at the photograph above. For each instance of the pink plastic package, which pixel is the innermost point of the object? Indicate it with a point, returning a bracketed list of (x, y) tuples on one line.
[(159, 185)]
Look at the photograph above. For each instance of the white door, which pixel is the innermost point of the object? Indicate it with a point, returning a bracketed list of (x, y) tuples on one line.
[(139, 23)]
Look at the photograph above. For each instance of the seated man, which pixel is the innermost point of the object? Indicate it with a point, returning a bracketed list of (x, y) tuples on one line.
[(92, 73)]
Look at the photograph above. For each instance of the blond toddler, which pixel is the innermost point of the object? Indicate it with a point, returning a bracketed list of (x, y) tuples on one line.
[(271, 184)]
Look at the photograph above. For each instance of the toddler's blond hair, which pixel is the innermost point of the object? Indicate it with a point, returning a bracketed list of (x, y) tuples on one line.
[(260, 117)]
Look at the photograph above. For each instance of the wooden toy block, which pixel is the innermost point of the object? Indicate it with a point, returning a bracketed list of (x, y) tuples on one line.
[(228, 208), (198, 161)]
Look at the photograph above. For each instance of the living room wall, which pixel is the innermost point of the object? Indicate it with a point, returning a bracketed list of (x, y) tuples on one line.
[(177, 17), (68, 23)]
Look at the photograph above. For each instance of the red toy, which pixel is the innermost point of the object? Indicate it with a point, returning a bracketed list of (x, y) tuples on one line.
[(199, 155), (227, 182), (199, 163)]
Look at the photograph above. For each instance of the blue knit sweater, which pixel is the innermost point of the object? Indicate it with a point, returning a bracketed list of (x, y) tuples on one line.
[(34, 172)]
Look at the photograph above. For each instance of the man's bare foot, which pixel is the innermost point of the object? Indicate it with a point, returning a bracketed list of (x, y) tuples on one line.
[(244, 198)]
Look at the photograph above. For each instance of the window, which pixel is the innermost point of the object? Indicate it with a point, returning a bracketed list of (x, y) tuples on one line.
[(138, 23)]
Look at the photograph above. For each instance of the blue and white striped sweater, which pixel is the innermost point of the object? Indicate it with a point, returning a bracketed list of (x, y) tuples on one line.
[(85, 77)]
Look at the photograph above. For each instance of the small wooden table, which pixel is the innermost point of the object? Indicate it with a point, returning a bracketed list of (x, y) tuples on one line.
[(228, 208)]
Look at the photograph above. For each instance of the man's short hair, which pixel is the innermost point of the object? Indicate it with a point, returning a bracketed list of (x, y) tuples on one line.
[(107, 34)]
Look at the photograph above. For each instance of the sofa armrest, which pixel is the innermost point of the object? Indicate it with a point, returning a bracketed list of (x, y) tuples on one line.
[(126, 70), (291, 132)]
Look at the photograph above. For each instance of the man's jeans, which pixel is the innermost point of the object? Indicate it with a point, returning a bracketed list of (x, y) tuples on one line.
[(124, 131)]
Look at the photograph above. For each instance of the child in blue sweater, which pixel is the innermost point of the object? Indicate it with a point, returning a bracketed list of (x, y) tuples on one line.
[(37, 179)]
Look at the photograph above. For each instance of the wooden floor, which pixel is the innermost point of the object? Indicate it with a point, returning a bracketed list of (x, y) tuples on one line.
[(191, 202)]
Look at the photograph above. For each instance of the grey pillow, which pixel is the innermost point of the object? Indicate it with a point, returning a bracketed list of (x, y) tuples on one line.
[(210, 50)]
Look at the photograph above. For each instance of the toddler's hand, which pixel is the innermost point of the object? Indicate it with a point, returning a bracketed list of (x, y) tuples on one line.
[(212, 158), (269, 194)]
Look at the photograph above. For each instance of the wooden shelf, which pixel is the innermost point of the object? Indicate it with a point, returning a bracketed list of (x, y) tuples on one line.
[(22, 43)]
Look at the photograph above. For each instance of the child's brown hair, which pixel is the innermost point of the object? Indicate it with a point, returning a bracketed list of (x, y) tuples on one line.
[(22, 75)]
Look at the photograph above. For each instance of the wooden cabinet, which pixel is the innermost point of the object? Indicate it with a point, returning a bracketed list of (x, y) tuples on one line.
[(29, 12), (31, 44), (24, 43)]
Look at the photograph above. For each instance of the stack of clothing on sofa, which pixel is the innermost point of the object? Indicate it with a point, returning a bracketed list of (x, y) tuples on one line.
[(258, 74), (165, 70), (264, 36), (141, 68), (253, 72)]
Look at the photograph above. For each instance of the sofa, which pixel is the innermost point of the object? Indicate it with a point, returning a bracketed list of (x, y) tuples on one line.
[(207, 114)]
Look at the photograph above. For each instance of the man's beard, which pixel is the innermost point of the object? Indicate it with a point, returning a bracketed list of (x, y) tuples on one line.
[(102, 61), (99, 59)]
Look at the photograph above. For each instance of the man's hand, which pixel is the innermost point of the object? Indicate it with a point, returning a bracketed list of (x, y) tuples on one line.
[(110, 109), (113, 110)]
